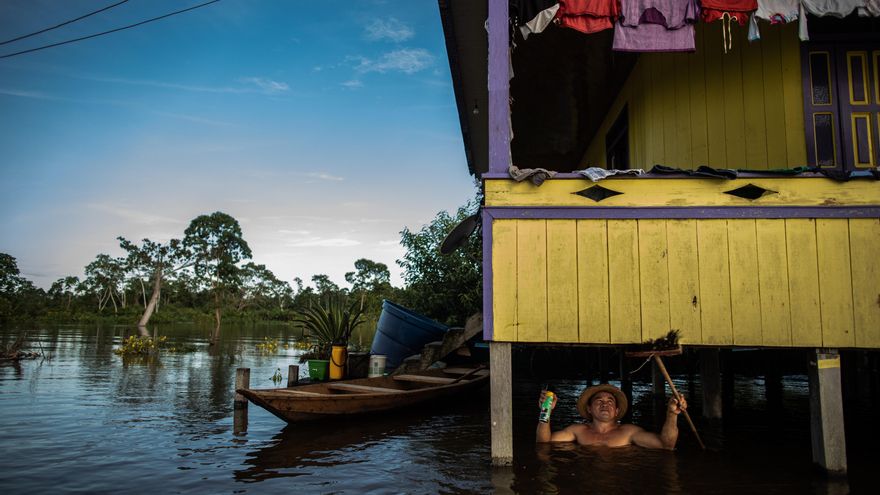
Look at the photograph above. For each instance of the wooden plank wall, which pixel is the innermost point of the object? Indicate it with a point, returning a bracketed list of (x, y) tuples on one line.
[(742, 110), (744, 282)]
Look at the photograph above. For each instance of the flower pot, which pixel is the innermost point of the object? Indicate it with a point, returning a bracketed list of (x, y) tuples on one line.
[(318, 369)]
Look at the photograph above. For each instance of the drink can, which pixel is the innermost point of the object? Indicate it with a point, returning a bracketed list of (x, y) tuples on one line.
[(546, 407)]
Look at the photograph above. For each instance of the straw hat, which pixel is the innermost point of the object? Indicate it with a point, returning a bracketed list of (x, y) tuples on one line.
[(584, 400)]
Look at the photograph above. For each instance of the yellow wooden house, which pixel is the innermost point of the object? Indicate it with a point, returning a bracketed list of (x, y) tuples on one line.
[(766, 256)]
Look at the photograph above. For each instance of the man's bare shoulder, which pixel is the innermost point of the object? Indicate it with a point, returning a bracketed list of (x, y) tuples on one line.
[(577, 427)]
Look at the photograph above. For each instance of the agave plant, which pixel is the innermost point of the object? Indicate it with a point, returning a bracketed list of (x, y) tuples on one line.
[(330, 323)]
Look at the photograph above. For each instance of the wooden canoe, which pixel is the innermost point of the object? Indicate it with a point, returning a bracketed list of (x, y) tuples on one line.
[(337, 399)]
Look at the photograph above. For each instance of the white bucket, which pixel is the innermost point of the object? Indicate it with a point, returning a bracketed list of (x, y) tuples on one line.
[(377, 365)]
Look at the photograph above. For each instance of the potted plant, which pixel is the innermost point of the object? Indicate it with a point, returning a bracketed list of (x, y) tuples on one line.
[(330, 325)]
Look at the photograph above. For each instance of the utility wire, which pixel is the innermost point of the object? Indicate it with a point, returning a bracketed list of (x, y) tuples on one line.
[(63, 23), (108, 32)]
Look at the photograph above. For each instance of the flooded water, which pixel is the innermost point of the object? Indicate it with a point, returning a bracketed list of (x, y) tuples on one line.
[(87, 420)]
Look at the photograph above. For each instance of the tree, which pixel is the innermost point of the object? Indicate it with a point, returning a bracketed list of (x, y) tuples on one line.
[(104, 276), (64, 288), (260, 285), (370, 276), (449, 287), (18, 295), (216, 245), (324, 286), (153, 261)]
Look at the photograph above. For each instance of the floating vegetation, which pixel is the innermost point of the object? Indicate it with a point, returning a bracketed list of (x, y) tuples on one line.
[(268, 346), (146, 346), (302, 345)]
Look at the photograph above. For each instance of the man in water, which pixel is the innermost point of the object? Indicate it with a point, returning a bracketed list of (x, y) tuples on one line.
[(603, 406)]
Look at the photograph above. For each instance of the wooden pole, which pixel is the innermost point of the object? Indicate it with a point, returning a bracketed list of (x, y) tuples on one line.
[(242, 380), (678, 398), (292, 375)]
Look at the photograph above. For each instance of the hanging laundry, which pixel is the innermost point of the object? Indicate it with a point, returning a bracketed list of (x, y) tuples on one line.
[(871, 9), (727, 11), (588, 16), (532, 16), (778, 12), (834, 8), (656, 26), (735, 10)]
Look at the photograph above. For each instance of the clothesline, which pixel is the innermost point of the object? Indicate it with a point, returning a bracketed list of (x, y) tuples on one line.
[(668, 25)]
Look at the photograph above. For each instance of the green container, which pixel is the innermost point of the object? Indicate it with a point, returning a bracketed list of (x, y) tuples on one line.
[(318, 369)]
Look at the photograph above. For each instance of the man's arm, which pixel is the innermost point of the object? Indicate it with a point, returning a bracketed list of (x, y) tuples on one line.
[(544, 434), (668, 435)]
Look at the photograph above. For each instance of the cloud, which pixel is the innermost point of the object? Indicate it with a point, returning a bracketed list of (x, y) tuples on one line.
[(406, 60), (192, 118), (390, 29), (352, 84), (26, 94), (248, 85), (267, 85), (134, 216), (324, 176), (321, 242)]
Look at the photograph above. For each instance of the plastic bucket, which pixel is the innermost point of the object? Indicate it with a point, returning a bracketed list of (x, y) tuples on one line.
[(401, 333), (318, 369), (377, 365), (337, 362)]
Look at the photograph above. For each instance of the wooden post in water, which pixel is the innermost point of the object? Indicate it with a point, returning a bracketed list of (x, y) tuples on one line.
[(826, 411), (292, 375), (239, 403), (710, 378), (501, 379), (242, 380)]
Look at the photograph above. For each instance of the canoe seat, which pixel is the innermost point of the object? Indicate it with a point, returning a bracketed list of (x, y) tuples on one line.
[(424, 379), (301, 392), (351, 387), (464, 371)]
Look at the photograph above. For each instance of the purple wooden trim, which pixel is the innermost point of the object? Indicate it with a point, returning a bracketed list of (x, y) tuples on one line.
[(675, 212), (499, 90), (488, 318), (740, 175)]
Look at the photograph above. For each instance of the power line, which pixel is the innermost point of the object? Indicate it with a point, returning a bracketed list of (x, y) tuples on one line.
[(108, 32), (63, 23)]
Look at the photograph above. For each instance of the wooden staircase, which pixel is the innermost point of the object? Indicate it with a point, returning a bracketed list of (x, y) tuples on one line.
[(454, 338)]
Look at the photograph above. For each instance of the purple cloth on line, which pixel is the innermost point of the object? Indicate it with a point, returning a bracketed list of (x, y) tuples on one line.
[(656, 26)]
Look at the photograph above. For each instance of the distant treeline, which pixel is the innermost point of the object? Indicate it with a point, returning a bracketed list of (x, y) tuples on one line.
[(208, 272)]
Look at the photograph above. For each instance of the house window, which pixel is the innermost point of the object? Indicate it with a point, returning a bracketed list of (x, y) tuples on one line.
[(617, 142), (842, 104)]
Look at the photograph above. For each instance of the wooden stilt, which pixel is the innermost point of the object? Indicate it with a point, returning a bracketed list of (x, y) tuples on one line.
[(710, 378), (500, 372), (826, 411)]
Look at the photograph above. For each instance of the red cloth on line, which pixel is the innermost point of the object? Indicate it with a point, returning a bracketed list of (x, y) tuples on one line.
[(712, 10), (588, 16)]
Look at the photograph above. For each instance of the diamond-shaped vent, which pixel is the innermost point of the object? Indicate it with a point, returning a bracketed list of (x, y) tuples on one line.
[(750, 192), (597, 193)]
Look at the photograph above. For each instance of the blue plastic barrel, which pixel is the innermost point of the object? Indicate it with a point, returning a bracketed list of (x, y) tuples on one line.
[(400, 333)]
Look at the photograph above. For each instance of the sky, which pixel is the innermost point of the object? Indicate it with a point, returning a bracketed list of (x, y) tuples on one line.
[(324, 128)]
